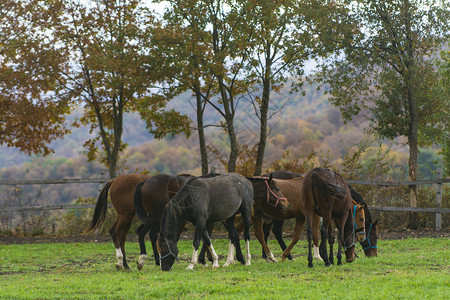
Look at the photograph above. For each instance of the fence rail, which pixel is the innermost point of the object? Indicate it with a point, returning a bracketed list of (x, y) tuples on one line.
[(102, 180), (438, 210), (83, 206)]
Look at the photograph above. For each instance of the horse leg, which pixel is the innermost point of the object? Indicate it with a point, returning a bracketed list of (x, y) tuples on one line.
[(295, 238), (153, 239), (310, 257), (316, 231), (230, 257), (199, 232), (326, 228), (331, 243), (257, 224), (246, 218), (141, 232), (119, 234), (323, 244), (277, 230), (208, 244), (201, 256), (119, 253), (234, 237), (340, 241), (266, 230)]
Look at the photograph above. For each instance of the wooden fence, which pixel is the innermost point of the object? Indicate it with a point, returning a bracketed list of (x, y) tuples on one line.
[(438, 210)]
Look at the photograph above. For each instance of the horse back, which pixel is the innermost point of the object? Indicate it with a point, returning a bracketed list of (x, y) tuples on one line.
[(222, 196), (121, 192)]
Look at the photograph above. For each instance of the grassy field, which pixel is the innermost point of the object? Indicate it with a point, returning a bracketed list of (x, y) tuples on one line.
[(404, 269)]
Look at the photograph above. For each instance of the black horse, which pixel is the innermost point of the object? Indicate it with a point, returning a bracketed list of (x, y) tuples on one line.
[(369, 244), (203, 201)]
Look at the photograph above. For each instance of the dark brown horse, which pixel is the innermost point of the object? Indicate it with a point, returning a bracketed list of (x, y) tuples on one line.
[(150, 199), (369, 244), (121, 194), (326, 193)]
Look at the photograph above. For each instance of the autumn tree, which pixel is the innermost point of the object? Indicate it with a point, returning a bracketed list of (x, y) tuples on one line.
[(111, 72), (30, 117), (219, 53), (279, 46), (386, 70), (182, 50), (443, 136)]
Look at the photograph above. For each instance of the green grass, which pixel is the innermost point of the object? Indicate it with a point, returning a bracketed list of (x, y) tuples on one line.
[(404, 269)]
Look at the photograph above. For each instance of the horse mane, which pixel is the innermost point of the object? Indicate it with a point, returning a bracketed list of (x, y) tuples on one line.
[(182, 198), (359, 199), (255, 179)]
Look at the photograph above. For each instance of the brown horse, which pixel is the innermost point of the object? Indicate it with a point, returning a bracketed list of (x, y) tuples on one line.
[(150, 199), (369, 244), (121, 194), (326, 193), (292, 190), (268, 200)]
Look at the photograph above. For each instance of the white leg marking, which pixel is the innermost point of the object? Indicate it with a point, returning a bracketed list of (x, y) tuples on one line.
[(249, 257), (119, 257), (272, 257), (142, 259), (230, 258), (316, 253), (193, 260), (215, 257)]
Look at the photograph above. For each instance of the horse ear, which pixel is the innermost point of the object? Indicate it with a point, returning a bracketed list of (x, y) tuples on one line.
[(375, 223), (270, 178)]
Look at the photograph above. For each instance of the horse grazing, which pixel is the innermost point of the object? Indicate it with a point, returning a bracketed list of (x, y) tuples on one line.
[(150, 199), (369, 244), (203, 201), (326, 193), (267, 200), (121, 194)]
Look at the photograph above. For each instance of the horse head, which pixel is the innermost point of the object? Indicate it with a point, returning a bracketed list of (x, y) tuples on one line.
[(275, 197), (359, 221), (369, 244), (167, 241)]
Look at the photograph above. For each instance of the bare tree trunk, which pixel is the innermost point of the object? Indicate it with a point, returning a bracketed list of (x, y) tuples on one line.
[(413, 153), (201, 130), (264, 110)]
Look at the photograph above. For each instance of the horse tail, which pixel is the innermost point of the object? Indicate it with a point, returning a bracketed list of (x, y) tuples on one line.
[(101, 206), (138, 207), (327, 189)]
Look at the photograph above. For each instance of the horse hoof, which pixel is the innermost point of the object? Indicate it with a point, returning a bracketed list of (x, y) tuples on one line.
[(227, 264), (140, 266), (310, 265), (119, 267)]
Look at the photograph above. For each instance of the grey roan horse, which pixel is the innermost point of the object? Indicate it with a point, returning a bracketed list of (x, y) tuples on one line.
[(203, 201)]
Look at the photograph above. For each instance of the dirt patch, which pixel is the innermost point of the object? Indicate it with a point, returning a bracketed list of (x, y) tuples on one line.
[(390, 234)]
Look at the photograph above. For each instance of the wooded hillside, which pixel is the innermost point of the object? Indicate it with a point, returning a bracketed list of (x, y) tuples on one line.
[(306, 124)]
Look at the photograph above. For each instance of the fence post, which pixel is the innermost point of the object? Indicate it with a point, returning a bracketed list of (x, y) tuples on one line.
[(439, 200)]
